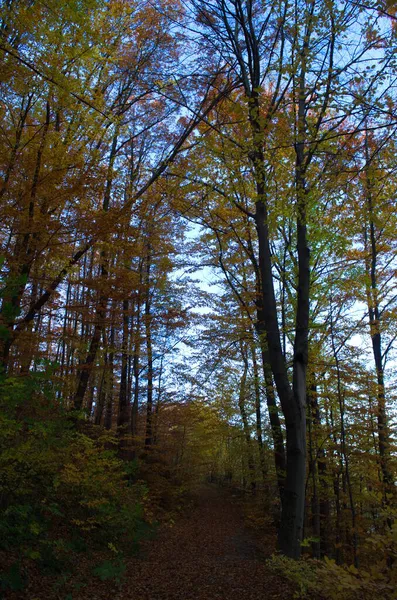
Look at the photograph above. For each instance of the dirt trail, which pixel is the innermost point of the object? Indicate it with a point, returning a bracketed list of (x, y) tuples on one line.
[(207, 555)]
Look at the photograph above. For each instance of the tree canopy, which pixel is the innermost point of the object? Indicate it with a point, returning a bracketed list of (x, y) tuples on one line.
[(198, 272)]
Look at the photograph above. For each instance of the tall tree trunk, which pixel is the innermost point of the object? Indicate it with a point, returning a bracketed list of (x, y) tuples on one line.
[(102, 389), (136, 366), (343, 443), (322, 505), (293, 401), (374, 312), (313, 470), (91, 396), (258, 415), (274, 418), (24, 251), (124, 403), (149, 353), (244, 417), (101, 308), (273, 410), (107, 423)]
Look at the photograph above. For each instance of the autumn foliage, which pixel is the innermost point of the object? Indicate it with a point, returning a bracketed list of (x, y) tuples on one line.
[(198, 283)]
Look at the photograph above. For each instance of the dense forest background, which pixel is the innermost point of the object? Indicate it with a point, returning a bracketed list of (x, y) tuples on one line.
[(198, 279)]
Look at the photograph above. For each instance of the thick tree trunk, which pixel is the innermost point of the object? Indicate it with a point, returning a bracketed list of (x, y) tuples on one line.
[(294, 494), (274, 418), (293, 401), (273, 410)]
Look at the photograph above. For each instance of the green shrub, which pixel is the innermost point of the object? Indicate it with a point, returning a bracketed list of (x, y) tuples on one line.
[(325, 580), (62, 487)]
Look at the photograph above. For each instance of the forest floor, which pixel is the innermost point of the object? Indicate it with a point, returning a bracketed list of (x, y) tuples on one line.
[(208, 553)]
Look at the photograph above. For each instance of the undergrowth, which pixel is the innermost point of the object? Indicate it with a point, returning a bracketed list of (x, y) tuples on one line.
[(325, 580), (63, 490)]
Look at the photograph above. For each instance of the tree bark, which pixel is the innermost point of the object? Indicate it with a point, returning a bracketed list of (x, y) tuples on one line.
[(136, 366), (124, 403), (293, 401), (258, 415), (374, 312), (244, 417), (25, 247), (101, 308), (149, 354)]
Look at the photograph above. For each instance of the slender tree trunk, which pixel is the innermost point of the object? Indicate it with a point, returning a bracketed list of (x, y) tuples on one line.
[(110, 382), (149, 352), (313, 469), (374, 313), (86, 369), (101, 395), (101, 308), (337, 468), (344, 450), (25, 108), (91, 396), (136, 367), (124, 404), (244, 417), (259, 433), (322, 472), (24, 253)]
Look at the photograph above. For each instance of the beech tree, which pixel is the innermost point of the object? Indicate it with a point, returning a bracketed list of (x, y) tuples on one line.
[(284, 59), (122, 94), (198, 253)]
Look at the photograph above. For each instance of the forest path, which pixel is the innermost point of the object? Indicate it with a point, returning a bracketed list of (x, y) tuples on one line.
[(209, 554)]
